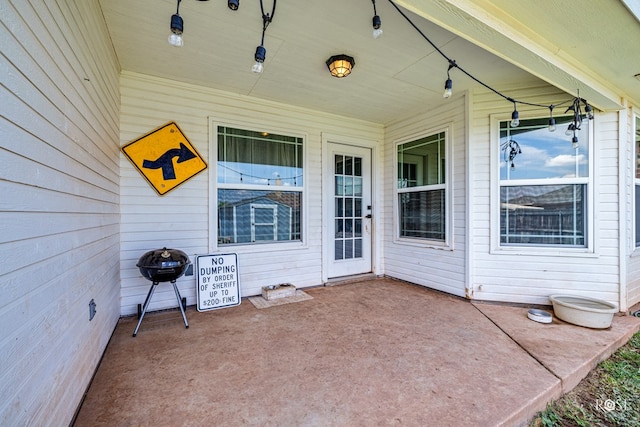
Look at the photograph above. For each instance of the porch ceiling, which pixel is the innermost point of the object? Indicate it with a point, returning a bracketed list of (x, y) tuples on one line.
[(590, 46), (394, 75)]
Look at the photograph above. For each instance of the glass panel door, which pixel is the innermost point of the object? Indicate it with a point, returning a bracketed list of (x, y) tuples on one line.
[(348, 207), (350, 248)]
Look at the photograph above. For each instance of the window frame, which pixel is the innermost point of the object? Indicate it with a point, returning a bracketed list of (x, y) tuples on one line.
[(214, 186), (447, 186), (496, 158)]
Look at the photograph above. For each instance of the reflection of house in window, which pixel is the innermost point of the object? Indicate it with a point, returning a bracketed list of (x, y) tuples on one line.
[(267, 218), (543, 215), (264, 221)]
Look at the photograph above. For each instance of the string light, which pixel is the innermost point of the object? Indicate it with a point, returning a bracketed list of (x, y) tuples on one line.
[(515, 119), (176, 39)]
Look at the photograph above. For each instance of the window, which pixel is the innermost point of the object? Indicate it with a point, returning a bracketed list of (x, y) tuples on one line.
[(544, 179), (637, 181), (421, 188), (260, 184)]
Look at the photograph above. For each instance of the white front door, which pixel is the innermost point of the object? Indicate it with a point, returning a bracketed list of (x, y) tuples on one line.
[(350, 222)]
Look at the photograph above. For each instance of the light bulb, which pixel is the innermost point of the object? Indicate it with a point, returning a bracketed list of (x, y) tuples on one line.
[(588, 112), (574, 142), (448, 89), (552, 124), (570, 129), (377, 33), (257, 67), (176, 40), (233, 4), (515, 119)]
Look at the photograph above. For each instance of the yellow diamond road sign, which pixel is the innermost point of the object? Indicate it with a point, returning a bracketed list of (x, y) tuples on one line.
[(165, 157)]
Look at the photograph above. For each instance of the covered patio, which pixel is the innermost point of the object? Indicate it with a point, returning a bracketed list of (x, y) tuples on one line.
[(372, 352), (389, 177)]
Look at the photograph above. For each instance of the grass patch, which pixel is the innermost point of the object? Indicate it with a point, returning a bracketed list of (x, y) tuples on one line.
[(608, 396)]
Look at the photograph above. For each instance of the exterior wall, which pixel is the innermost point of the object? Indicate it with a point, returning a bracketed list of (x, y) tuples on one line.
[(628, 159), (421, 263), (181, 218), (530, 275), (59, 209)]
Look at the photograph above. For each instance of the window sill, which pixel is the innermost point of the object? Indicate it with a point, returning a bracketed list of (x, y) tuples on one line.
[(539, 251), (425, 244), (248, 248)]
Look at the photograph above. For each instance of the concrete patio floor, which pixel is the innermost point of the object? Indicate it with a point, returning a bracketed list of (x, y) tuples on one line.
[(372, 353)]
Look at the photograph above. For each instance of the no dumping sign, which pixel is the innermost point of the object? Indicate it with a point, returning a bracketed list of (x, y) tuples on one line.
[(217, 281)]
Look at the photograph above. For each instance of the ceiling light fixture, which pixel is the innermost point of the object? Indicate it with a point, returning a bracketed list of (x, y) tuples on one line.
[(340, 65), (175, 37), (233, 4), (261, 52), (377, 22)]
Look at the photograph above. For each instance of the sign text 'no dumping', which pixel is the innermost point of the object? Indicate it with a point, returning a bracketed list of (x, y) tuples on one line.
[(217, 281)]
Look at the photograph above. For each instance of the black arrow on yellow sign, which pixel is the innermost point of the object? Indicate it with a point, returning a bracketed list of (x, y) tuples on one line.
[(165, 161)]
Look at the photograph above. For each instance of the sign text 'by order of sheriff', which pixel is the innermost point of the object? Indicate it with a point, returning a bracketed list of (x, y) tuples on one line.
[(217, 281)]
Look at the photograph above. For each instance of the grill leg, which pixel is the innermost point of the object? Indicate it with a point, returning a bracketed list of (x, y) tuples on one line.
[(184, 316), (146, 305)]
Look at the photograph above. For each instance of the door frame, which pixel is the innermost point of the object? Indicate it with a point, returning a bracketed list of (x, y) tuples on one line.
[(327, 196)]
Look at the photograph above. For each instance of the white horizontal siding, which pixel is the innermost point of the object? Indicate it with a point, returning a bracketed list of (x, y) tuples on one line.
[(441, 269), (528, 275), (59, 213), (180, 219)]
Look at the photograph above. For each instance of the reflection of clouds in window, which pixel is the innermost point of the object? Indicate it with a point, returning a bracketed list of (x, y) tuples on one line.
[(548, 157), (531, 156), (564, 160)]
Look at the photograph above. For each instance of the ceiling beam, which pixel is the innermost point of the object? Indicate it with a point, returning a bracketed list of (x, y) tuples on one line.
[(483, 24)]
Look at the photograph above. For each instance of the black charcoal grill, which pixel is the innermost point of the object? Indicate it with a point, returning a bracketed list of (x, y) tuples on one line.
[(162, 265)]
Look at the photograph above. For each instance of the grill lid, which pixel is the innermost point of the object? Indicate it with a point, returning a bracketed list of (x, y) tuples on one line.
[(163, 265)]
